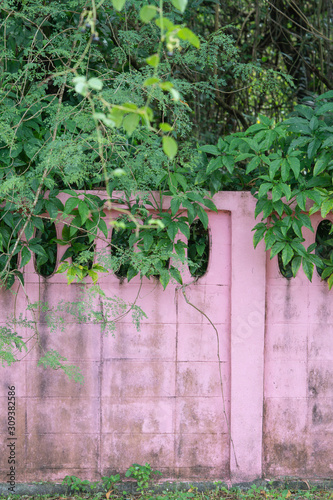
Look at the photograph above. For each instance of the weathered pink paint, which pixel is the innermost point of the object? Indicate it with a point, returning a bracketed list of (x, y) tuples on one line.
[(155, 396)]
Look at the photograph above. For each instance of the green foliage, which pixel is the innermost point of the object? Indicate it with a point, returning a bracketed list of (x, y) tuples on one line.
[(54, 360), (109, 482), (290, 165), (10, 344), (77, 485), (142, 474)]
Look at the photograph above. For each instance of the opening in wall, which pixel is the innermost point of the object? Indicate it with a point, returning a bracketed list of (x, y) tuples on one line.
[(324, 248), (45, 264), (198, 249), (285, 270), (120, 251), (82, 246)]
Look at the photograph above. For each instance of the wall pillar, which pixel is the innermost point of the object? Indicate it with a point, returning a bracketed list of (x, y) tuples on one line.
[(248, 274)]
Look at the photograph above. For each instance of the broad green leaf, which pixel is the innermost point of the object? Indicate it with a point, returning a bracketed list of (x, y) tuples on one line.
[(25, 256), (305, 111), (328, 142), (180, 249), (116, 116), (151, 81), (297, 227), (285, 168), (83, 211), (274, 167), (301, 200), (267, 208), (321, 164), (165, 127), (279, 207), (326, 95), (191, 212), (314, 122), (295, 165), (71, 274), (95, 83), (212, 150), (287, 254), (29, 231), (51, 208), (277, 248), (62, 268), (306, 221), (164, 278), (184, 228), (195, 197), (313, 148), (37, 249), (79, 79), (147, 13), (286, 191), (330, 282), (70, 204), (298, 248), (253, 144), (153, 60), (276, 193), (258, 236), (214, 164), (103, 227), (326, 207), (264, 188), (179, 4), (229, 163), (252, 164), (101, 269), (209, 204), (131, 273), (175, 204), (82, 88), (203, 216), (170, 147), (148, 240), (295, 265), (166, 85), (307, 268), (298, 125), (270, 239), (172, 230), (93, 275), (38, 223), (175, 94), (187, 34), (327, 107), (244, 156), (118, 4), (176, 274), (165, 24), (130, 122)]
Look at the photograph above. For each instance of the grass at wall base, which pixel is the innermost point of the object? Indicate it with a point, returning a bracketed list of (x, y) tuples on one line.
[(280, 489)]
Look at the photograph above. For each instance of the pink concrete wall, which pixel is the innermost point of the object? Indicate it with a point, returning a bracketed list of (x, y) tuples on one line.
[(155, 396), (298, 389)]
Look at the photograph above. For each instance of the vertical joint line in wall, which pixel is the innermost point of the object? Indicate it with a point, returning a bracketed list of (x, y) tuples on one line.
[(220, 371), (176, 373), (100, 380), (264, 372)]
